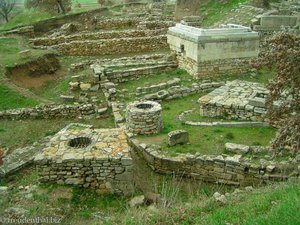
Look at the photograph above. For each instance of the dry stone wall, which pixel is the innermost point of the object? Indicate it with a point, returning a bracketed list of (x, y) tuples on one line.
[(49, 41), (181, 91), (49, 112), (140, 69), (157, 87), (132, 22), (221, 169), (113, 46)]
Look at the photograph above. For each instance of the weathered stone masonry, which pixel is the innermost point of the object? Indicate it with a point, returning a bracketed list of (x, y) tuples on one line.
[(86, 157), (236, 100), (113, 46), (144, 117), (49, 112), (49, 41), (221, 169)]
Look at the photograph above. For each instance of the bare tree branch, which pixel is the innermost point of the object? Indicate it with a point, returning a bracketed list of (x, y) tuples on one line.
[(6, 6)]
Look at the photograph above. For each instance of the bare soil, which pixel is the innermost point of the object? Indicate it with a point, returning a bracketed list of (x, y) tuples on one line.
[(22, 79)]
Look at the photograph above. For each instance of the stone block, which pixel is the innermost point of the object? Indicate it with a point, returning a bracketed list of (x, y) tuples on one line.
[(237, 148), (177, 137)]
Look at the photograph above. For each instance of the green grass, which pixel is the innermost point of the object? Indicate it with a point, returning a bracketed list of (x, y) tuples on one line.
[(262, 76), (213, 11), (28, 131), (10, 48), (279, 206), (204, 140), (276, 205), (74, 205), (24, 17), (10, 99)]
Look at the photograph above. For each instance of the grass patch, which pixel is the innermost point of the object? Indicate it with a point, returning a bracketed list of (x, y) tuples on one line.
[(24, 17), (28, 131), (204, 140), (262, 76), (276, 205), (10, 48), (213, 11), (11, 100)]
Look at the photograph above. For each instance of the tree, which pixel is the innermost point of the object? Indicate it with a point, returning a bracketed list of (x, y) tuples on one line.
[(284, 90), (59, 6), (6, 7), (101, 2)]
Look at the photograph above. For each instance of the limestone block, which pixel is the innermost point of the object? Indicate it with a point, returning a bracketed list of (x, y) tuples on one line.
[(85, 87), (237, 148), (177, 137)]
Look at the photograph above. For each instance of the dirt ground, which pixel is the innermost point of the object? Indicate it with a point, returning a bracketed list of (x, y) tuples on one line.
[(27, 81)]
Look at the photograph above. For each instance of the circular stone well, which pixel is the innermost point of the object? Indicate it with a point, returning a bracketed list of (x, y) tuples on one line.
[(144, 117)]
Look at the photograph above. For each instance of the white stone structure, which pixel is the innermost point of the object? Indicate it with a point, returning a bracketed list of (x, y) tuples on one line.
[(210, 51)]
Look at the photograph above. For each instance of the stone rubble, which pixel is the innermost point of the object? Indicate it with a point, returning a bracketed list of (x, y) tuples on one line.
[(50, 111)]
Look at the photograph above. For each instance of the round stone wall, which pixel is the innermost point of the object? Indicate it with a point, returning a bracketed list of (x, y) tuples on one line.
[(144, 117)]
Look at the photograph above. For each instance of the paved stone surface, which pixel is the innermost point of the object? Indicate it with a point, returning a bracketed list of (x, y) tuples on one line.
[(235, 100), (104, 143)]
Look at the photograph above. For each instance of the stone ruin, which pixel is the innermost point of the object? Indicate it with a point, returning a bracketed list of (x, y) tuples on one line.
[(237, 99), (177, 137), (144, 117), (268, 24), (87, 157), (205, 52)]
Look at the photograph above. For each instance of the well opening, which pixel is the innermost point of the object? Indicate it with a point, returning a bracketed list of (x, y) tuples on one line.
[(80, 142), (144, 106)]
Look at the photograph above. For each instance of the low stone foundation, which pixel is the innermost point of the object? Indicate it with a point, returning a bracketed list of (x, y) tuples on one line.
[(177, 91), (220, 169), (82, 156), (113, 46), (144, 117), (132, 70), (236, 100), (49, 41), (157, 87), (49, 112)]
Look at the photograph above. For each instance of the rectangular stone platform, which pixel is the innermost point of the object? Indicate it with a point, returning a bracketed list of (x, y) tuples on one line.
[(237, 99)]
